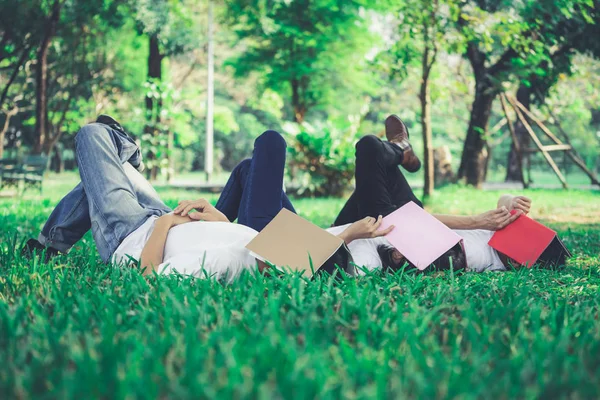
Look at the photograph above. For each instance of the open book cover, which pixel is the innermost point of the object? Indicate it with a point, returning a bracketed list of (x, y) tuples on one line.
[(527, 242), (419, 236), (291, 242)]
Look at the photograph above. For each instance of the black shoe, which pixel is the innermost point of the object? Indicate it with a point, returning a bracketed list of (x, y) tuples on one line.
[(110, 121), (33, 247)]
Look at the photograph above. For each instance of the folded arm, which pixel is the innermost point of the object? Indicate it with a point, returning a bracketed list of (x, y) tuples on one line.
[(153, 252), (199, 210), (459, 221), (491, 220)]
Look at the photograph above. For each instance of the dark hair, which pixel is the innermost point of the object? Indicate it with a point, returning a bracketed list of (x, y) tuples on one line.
[(454, 257)]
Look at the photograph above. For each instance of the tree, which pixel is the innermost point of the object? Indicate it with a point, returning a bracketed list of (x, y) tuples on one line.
[(170, 31), (41, 26), (518, 41), (423, 25), (17, 43), (488, 77), (310, 51), (49, 25), (76, 72), (564, 36)]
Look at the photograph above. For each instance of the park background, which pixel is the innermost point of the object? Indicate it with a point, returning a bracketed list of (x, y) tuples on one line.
[(337, 67), (324, 73)]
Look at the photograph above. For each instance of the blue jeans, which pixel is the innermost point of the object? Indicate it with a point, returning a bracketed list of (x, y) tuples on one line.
[(254, 192), (113, 198)]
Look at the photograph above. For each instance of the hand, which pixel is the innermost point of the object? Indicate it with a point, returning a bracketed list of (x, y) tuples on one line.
[(172, 220), (521, 203), (366, 228), (199, 210), (185, 206), (496, 219)]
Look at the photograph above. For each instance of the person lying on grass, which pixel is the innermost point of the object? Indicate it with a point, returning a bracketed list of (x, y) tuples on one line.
[(130, 222), (381, 189)]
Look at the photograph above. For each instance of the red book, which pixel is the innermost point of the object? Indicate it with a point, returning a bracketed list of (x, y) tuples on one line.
[(527, 242)]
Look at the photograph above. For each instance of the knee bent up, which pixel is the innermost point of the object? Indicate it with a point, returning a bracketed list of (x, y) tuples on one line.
[(368, 144), (90, 131), (272, 139)]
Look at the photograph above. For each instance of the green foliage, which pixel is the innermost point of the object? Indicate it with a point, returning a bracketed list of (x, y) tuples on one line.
[(76, 328), (296, 48), (422, 26), (322, 157), (539, 37), (165, 120), (337, 55), (171, 21)]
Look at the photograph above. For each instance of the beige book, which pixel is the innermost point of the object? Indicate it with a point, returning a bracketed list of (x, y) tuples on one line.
[(291, 242)]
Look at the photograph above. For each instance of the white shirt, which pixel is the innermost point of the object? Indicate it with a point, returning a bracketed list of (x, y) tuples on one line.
[(480, 256), (200, 248), (364, 251), (219, 249)]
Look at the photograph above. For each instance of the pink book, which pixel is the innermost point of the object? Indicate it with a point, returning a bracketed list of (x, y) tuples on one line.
[(418, 235)]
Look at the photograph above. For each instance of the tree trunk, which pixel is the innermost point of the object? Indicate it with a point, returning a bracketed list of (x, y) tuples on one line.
[(51, 141), (7, 115), (2, 134), (154, 71), (425, 98), (41, 80), (299, 109), (474, 157), (513, 170), (13, 76), (170, 155), (41, 97), (153, 105), (57, 164)]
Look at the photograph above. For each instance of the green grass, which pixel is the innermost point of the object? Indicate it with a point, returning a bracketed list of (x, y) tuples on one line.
[(78, 329)]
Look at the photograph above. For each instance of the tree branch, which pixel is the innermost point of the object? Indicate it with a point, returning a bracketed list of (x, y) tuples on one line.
[(13, 76), (477, 59), (9, 114), (503, 62), (179, 85)]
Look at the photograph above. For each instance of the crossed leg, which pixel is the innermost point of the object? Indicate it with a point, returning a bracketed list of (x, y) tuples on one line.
[(113, 199), (381, 188)]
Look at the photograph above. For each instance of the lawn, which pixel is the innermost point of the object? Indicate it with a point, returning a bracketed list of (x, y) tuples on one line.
[(77, 329)]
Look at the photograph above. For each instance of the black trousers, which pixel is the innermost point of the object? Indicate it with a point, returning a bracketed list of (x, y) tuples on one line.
[(381, 188)]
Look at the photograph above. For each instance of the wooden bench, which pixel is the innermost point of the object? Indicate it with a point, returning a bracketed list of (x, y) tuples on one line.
[(25, 174)]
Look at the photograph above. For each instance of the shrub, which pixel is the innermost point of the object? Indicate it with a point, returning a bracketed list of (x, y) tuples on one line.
[(322, 157)]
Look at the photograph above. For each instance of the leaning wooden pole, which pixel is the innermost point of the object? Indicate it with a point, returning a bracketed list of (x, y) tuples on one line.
[(570, 152), (539, 144), (515, 139)]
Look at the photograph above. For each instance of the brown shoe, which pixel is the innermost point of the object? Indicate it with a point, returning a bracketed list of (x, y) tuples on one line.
[(397, 133), (395, 130)]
